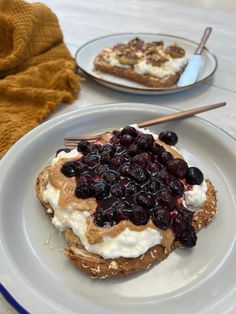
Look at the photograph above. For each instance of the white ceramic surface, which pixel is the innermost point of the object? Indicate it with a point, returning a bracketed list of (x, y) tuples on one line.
[(39, 276), (86, 54)]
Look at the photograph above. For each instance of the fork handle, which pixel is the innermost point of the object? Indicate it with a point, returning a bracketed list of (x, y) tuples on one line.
[(179, 115)]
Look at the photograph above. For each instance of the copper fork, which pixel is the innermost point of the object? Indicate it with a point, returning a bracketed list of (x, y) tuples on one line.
[(71, 142)]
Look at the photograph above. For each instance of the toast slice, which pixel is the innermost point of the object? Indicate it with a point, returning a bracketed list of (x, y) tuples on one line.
[(131, 75), (150, 63), (97, 267)]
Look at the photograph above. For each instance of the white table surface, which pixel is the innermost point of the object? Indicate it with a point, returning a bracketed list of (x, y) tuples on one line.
[(82, 21)]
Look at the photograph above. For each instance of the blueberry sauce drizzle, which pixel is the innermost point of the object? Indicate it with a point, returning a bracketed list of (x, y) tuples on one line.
[(133, 178)]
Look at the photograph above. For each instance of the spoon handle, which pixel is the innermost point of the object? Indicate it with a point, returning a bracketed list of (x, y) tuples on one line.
[(203, 41)]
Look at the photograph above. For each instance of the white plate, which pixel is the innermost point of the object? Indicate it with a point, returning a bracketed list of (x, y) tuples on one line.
[(42, 279), (86, 54)]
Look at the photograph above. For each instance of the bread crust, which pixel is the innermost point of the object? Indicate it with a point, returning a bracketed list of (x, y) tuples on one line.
[(130, 74), (98, 267)]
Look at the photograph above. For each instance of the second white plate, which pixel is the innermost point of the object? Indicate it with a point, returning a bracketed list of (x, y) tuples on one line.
[(86, 54)]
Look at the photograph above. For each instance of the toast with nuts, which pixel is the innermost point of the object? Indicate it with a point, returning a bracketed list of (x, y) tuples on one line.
[(148, 63)]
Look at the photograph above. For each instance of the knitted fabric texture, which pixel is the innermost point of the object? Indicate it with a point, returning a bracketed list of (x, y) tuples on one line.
[(37, 72)]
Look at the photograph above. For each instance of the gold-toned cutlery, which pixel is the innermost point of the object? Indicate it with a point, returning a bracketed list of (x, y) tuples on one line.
[(71, 142)]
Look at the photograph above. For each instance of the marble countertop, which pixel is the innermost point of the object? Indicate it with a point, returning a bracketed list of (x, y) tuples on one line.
[(82, 21)]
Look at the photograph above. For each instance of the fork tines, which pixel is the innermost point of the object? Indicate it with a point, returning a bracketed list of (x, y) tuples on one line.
[(72, 142)]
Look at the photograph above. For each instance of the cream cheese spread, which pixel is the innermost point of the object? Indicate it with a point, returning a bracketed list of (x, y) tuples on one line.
[(195, 197), (168, 68), (126, 244), (72, 154)]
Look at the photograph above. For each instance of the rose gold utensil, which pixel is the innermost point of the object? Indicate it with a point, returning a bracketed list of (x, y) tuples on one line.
[(71, 142)]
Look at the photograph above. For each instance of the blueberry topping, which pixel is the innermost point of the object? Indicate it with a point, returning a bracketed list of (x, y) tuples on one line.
[(168, 137), (100, 190), (164, 157), (178, 167), (133, 178), (179, 225), (107, 148), (125, 170), (110, 176), (80, 168), (91, 160), (148, 157), (92, 148), (188, 237), (105, 157), (133, 150), (104, 218), (120, 149), (157, 149), (165, 176), (126, 140), (83, 146), (154, 167), (121, 204), (139, 216), (117, 160), (166, 198), (161, 217), (153, 185), (194, 176), (160, 151), (145, 200), (118, 190), (66, 150), (69, 168), (177, 188), (115, 139), (186, 215), (139, 160), (145, 141), (83, 187), (82, 191), (101, 168), (121, 211), (139, 175), (129, 130), (132, 188), (85, 180)]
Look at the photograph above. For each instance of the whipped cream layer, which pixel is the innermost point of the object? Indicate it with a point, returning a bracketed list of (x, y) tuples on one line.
[(128, 243)]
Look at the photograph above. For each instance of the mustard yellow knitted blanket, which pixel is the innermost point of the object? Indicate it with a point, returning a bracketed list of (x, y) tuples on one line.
[(37, 72)]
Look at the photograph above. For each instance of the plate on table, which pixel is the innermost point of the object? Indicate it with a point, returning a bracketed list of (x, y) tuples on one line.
[(86, 54), (36, 273)]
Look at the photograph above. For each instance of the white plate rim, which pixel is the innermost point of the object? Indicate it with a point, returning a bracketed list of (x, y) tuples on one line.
[(43, 128), (144, 88)]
